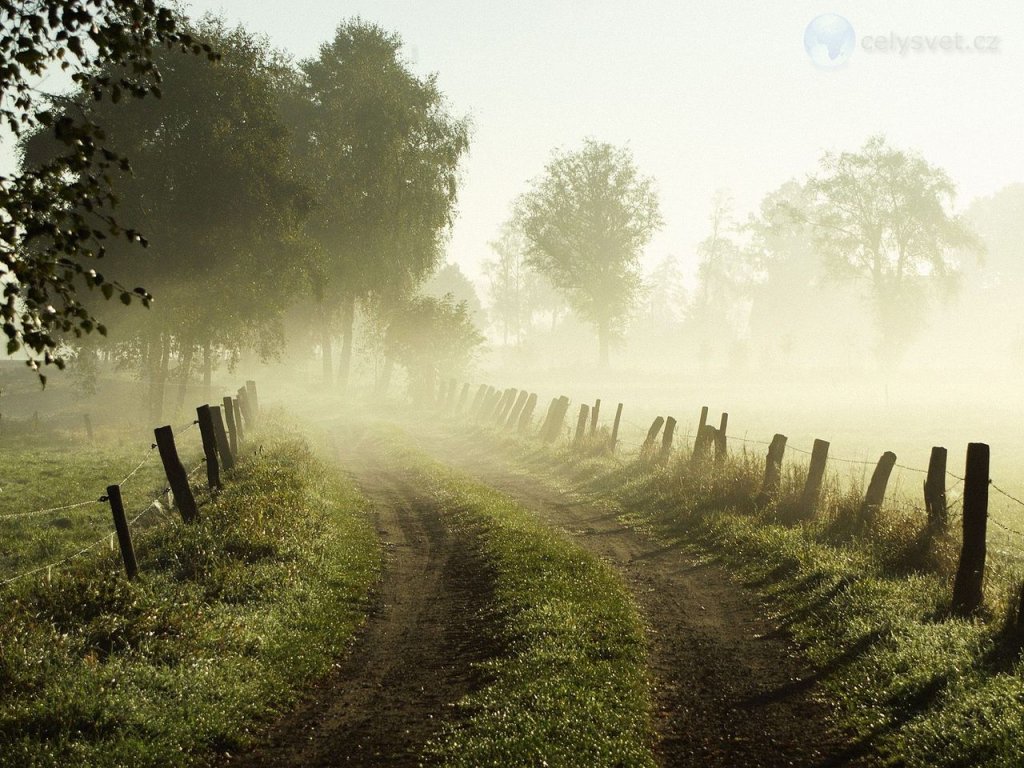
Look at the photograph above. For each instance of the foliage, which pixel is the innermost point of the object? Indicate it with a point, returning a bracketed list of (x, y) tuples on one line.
[(885, 216), (231, 617), (384, 152), (432, 337), (449, 279), (585, 222), (55, 217)]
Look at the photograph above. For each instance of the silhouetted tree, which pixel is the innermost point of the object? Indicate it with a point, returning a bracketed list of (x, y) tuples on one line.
[(55, 217), (586, 220)]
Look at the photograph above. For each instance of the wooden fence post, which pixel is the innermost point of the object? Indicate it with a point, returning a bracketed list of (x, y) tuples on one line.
[(511, 395), (615, 427), (876, 488), (209, 446), (237, 409), (478, 400), (557, 419), (968, 587), (177, 478), (227, 458), (702, 434), (527, 415), (815, 478), (463, 397), (935, 490), (581, 424), (254, 400), (124, 534), (229, 417), (772, 471), (88, 426), (517, 409), (546, 424), (593, 416), (666, 440), (652, 434), (245, 406), (721, 452)]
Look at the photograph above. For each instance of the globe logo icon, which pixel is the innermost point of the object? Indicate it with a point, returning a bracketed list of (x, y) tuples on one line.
[(829, 41)]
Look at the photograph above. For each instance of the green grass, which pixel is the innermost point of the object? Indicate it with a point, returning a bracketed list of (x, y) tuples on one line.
[(41, 474), (570, 688), (228, 620), (871, 606)]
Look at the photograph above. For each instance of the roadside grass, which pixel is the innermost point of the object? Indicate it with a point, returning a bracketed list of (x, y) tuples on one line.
[(570, 688), (229, 618), (43, 474), (870, 605)]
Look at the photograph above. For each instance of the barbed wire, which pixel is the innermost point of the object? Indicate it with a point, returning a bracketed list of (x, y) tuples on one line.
[(57, 563), (51, 510), (146, 459)]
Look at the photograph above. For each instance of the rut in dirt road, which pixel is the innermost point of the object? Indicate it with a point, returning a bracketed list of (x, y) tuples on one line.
[(414, 658), (730, 690)]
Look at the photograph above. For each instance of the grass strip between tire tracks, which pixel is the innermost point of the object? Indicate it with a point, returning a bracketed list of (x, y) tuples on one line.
[(571, 688)]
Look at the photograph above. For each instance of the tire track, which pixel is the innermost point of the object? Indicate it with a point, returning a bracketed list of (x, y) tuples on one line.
[(415, 657)]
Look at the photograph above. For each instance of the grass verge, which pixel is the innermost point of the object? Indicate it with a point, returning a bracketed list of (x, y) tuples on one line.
[(916, 687), (228, 620), (571, 687)]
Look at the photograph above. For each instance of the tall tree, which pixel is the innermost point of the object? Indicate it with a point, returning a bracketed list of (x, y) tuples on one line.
[(214, 188), (586, 220), (56, 217), (385, 151), (885, 216)]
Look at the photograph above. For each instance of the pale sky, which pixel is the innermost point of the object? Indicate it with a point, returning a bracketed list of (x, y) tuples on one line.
[(707, 95)]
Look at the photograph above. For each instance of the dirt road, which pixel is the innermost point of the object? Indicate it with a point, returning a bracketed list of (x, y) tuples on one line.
[(731, 690)]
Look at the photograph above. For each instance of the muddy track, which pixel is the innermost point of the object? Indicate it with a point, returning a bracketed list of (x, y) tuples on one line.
[(414, 657), (730, 688)]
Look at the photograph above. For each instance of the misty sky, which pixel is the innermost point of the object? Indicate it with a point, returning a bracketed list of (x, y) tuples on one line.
[(707, 95)]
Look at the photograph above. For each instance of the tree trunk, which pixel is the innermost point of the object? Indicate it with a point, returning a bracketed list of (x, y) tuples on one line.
[(207, 371), (327, 351), (184, 369), (385, 377), (348, 315), (159, 355)]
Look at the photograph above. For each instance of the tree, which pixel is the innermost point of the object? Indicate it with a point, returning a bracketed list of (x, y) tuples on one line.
[(55, 218), (449, 279), (885, 216), (214, 188), (385, 151), (432, 338), (586, 221)]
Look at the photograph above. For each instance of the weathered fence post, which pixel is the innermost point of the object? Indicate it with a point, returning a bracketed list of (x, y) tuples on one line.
[(935, 489), (463, 397), (615, 427), (702, 434), (815, 478), (968, 587), (546, 424), (512, 395), (593, 416), (517, 409), (652, 433), (772, 471), (666, 440), (478, 400), (209, 446), (254, 400), (876, 488), (177, 478), (237, 410), (721, 447), (246, 407), (527, 415), (581, 424), (124, 535), (88, 426), (227, 458), (557, 419), (229, 417)]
